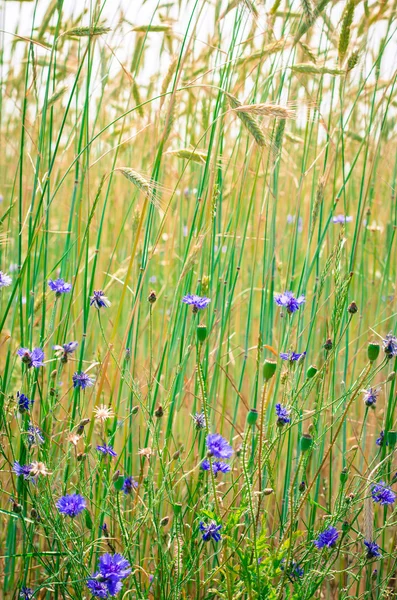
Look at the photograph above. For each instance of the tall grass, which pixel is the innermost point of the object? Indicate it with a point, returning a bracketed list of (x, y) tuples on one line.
[(234, 150)]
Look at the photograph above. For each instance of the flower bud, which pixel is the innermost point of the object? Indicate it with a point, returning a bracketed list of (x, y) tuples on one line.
[(201, 333), (302, 486), (373, 351), (159, 412), (152, 297), (269, 369), (252, 417), (312, 370), (328, 344), (352, 308), (164, 521), (306, 442), (134, 410), (344, 475)]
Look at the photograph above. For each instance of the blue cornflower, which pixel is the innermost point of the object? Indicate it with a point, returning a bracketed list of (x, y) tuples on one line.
[(5, 280), (327, 539), (288, 301), (218, 446), (99, 300), (390, 345), (63, 352), (32, 358), (371, 396), (24, 403), (372, 549), (282, 415), (292, 356), (129, 484), (26, 593), (294, 571), (217, 466), (342, 219), (71, 505), (22, 470), (105, 449), (97, 588), (82, 380), (381, 439), (199, 420), (114, 565), (59, 286), (197, 302), (210, 531), (382, 494), (35, 436)]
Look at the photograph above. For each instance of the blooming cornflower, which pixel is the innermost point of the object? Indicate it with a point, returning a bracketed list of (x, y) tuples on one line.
[(282, 415), (288, 301), (129, 484), (197, 302), (199, 420), (82, 380), (5, 280), (371, 396), (327, 539), (382, 494), (292, 356), (114, 565), (105, 449), (218, 446), (99, 300), (22, 470), (24, 403), (210, 531), (32, 358), (390, 345), (217, 466), (71, 505), (97, 588), (63, 352), (372, 549), (59, 286), (35, 436), (26, 593), (342, 219)]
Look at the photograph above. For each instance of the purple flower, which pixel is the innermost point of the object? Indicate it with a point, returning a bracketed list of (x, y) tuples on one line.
[(390, 345), (105, 449), (217, 466), (210, 531), (35, 436), (23, 402), (371, 396), (71, 505), (292, 356), (82, 380), (218, 446), (32, 358), (199, 420), (59, 286), (129, 484), (326, 539), (282, 415), (22, 470), (63, 352), (341, 219), (197, 302), (382, 494), (288, 301), (380, 439), (26, 593), (372, 549), (97, 588), (114, 565), (5, 280), (99, 300)]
